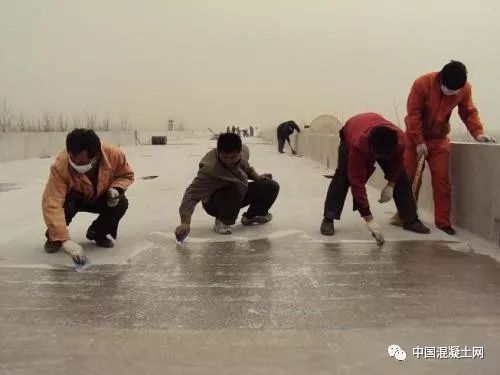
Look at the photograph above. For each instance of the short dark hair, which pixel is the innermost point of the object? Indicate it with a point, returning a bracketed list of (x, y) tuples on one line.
[(229, 142), (383, 140), (453, 75), (79, 140)]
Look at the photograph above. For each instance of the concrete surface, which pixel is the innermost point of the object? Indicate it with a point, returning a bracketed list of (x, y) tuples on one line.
[(272, 299)]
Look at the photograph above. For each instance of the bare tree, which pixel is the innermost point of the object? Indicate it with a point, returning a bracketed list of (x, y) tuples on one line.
[(91, 120), (77, 122), (6, 122), (21, 123), (61, 123), (47, 122), (106, 123), (124, 122)]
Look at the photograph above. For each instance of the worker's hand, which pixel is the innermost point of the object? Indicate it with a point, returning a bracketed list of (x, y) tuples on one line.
[(485, 139), (376, 231), (386, 193), (265, 176), (182, 231), (422, 150), (113, 197), (75, 251)]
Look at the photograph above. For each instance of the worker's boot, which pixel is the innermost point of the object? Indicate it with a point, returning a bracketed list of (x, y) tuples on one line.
[(221, 228), (51, 246), (257, 219), (100, 240), (327, 227), (448, 230), (417, 226), (396, 220)]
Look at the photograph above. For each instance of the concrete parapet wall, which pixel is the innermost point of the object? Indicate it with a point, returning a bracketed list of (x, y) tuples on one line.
[(14, 146), (474, 173)]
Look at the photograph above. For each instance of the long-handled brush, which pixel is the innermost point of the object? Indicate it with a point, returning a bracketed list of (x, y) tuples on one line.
[(415, 187)]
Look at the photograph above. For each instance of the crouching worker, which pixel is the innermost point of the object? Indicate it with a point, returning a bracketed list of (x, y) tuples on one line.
[(365, 139), (87, 177), (223, 188)]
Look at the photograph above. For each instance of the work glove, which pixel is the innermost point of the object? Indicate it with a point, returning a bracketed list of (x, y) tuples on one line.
[(422, 150), (113, 197), (75, 251), (386, 193), (182, 231), (376, 231), (485, 139)]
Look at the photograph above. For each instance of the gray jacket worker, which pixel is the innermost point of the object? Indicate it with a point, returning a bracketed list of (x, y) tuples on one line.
[(222, 185)]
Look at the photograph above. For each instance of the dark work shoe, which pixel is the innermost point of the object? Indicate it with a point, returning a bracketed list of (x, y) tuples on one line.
[(327, 228), (100, 240), (417, 226), (52, 246), (262, 219), (448, 230)]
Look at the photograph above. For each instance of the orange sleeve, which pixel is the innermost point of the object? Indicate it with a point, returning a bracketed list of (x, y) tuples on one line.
[(415, 107), (53, 206), (469, 114), (124, 175)]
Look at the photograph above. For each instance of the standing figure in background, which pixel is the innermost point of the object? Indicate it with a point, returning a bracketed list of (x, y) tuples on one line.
[(431, 101), (251, 131), (283, 133), (228, 130)]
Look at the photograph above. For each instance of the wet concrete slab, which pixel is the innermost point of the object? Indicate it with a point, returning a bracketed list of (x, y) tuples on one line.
[(284, 305)]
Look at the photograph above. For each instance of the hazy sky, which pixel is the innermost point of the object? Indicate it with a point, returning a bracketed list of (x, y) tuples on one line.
[(220, 62)]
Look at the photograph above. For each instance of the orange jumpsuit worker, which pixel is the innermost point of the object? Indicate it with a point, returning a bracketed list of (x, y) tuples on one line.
[(432, 98)]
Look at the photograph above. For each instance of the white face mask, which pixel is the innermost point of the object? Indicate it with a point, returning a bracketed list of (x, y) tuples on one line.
[(446, 91), (82, 168)]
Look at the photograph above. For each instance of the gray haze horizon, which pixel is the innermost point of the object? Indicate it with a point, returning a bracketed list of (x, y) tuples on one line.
[(222, 63)]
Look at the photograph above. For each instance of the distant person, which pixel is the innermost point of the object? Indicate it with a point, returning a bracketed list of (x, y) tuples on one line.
[(245, 133), (233, 130), (431, 101), (87, 177), (283, 133), (223, 186), (365, 139), (228, 130), (238, 131), (251, 131)]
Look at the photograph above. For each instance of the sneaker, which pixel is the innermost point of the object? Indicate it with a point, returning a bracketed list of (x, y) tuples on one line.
[(417, 226), (101, 241), (52, 246), (245, 220), (327, 228), (448, 230), (221, 228)]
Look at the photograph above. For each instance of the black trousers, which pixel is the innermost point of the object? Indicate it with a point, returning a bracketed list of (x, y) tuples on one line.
[(282, 138), (337, 191), (225, 203), (108, 219)]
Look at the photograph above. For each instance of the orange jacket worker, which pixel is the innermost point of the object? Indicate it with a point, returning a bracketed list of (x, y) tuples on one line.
[(87, 177), (432, 99)]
